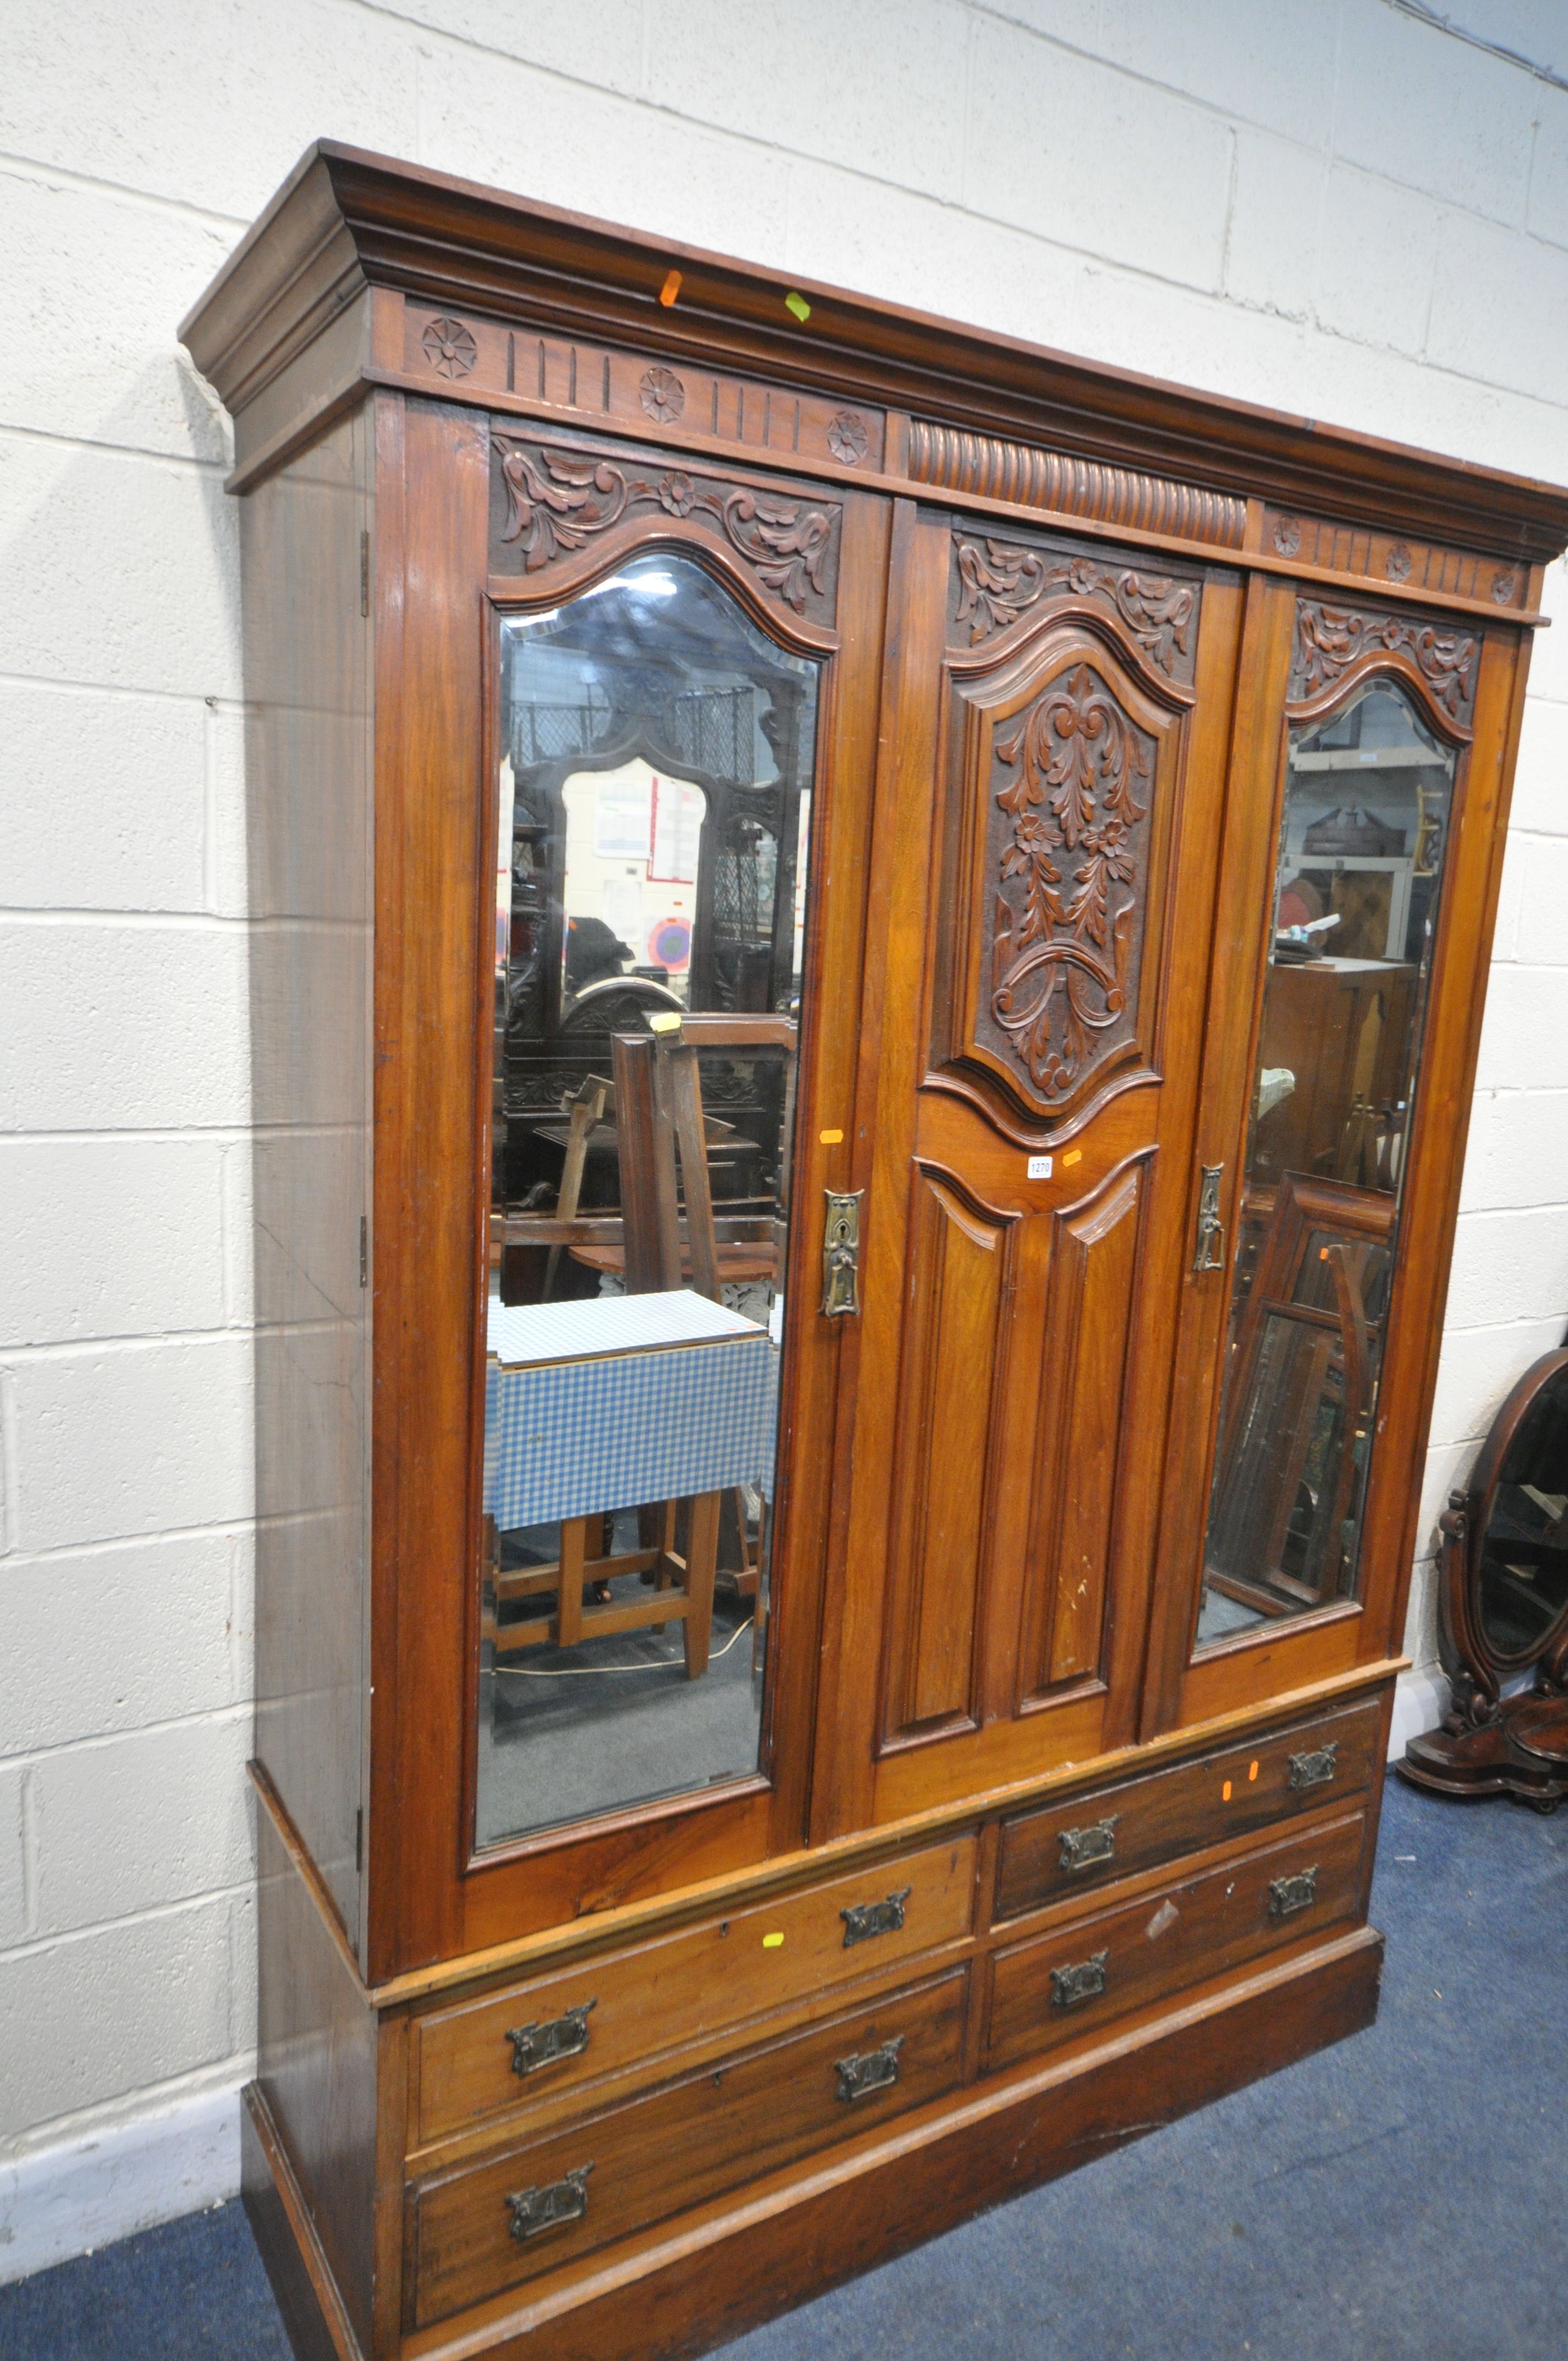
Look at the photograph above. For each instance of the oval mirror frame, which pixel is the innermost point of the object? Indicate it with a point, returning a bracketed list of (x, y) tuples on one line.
[(1486, 1743)]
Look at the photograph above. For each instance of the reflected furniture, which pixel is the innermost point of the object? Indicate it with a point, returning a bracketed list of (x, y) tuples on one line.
[(1503, 1609), (1104, 785)]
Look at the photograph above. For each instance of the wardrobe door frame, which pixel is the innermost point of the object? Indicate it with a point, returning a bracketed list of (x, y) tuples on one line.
[(1248, 1668), (438, 601)]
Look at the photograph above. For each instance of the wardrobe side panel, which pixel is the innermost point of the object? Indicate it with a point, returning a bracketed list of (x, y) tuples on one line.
[(306, 559)]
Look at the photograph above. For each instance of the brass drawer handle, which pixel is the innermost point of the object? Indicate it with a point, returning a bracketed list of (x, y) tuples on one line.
[(534, 2046), (1315, 1769), (877, 2070), (534, 2211), (1081, 1848), (1071, 1986), (864, 1919), (1288, 1895)]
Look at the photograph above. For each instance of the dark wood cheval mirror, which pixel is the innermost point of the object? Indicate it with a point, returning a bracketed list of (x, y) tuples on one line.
[(1503, 1609)]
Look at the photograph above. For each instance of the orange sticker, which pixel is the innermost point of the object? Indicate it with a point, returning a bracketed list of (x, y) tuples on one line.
[(830, 1139), (1073, 1155), (1252, 1770), (670, 290), (1225, 1792)]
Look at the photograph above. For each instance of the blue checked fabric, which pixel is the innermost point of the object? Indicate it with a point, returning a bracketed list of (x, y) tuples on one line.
[(569, 1439)]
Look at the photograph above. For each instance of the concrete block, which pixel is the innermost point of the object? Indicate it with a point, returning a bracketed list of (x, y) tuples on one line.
[(1136, 323), (88, 2019), (1543, 869), (1509, 1266), (210, 107), (225, 866), (1517, 855), (1376, 251), (908, 249), (132, 1439), (897, 114), (1435, 114), (105, 279), (1478, 1368), (102, 800), (110, 2176), (1078, 153), (1447, 1468), (1518, 1151), (594, 41), (109, 1237), (545, 138), (1548, 649), (1547, 210), (172, 1627), (1541, 776), (14, 1928), (120, 571), (1273, 66), (1421, 1618), (1524, 1034), (1271, 244), (135, 1822), (126, 1028), (1500, 309)]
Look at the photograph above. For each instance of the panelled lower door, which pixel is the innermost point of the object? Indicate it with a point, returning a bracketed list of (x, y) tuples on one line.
[(1055, 724)]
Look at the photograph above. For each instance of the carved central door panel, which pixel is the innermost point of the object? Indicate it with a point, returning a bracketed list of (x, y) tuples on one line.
[(1053, 748)]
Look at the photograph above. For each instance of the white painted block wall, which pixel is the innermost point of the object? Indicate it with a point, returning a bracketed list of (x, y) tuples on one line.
[(1318, 203)]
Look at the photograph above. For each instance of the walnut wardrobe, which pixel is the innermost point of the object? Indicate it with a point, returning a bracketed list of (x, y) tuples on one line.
[(868, 958)]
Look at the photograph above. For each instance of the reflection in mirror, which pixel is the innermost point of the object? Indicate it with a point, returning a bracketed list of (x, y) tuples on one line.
[(656, 753), (1359, 865)]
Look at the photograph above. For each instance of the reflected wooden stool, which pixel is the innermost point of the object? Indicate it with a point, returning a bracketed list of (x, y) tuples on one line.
[(682, 1583)]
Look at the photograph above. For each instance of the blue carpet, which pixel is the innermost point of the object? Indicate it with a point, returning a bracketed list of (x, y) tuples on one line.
[(1396, 2199)]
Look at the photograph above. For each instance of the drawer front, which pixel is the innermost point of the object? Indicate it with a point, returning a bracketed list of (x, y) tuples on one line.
[(501, 2053), (1047, 1855), (488, 2226), (1052, 1987)]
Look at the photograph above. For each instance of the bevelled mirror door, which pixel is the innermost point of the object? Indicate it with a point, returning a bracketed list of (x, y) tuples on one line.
[(1362, 840), (656, 759)]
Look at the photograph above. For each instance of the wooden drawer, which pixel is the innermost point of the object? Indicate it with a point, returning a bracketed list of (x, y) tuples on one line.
[(1054, 1986), (671, 2148), (1047, 1855), (678, 1988)]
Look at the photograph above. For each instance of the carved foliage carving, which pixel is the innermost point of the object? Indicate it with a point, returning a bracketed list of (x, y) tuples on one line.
[(556, 502), (1075, 772), (1329, 639), (997, 582)]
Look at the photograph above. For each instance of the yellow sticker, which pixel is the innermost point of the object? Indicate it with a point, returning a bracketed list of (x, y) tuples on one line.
[(1073, 1155), (795, 301), (771, 1943), (830, 1138)]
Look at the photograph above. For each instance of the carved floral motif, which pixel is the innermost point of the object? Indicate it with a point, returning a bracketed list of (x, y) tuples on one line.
[(1329, 639), (556, 503), (1000, 583), (1504, 584), (1286, 536), (662, 394), (1059, 969), (848, 438), (1397, 564), (449, 347)]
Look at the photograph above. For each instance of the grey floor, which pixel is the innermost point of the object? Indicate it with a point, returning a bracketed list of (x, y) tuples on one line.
[(1399, 2197)]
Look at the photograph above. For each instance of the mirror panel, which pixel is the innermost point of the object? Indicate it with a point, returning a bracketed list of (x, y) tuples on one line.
[(654, 798), (1362, 834)]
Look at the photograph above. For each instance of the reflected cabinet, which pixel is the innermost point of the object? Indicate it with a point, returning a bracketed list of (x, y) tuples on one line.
[(868, 959)]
